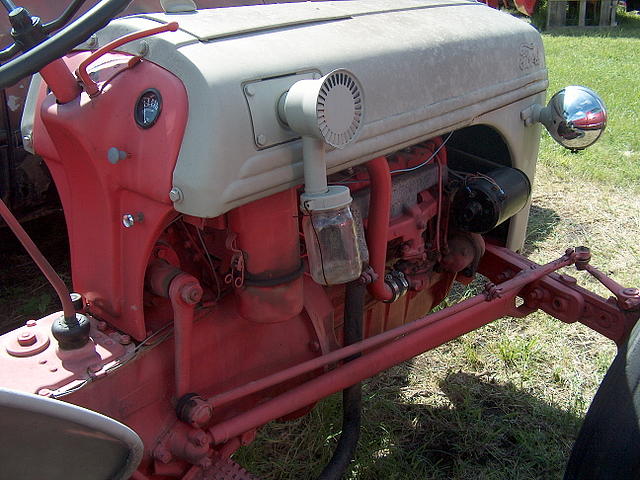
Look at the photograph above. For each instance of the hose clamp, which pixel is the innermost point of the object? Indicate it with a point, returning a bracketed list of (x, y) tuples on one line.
[(398, 284)]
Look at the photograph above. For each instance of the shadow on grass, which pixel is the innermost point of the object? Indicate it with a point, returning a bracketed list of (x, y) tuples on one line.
[(480, 429), (484, 430), (542, 222)]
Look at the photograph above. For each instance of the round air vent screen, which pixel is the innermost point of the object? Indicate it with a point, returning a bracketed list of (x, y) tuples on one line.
[(339, 108), (329, 109)]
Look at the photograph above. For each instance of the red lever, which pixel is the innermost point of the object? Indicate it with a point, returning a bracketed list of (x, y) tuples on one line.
[(89, 85)]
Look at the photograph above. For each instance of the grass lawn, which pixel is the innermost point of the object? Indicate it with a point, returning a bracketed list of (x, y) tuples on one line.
[(506, 401), (606, 61)]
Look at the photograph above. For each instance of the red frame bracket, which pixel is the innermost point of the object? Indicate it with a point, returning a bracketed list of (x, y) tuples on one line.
[(560, 296)]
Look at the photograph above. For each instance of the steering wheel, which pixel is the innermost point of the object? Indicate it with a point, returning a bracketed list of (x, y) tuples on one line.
[(35, 57)]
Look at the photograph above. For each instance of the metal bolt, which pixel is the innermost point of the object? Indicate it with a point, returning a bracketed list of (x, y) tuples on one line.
[(129, 219), (93, 41), (559, 304), (201, 413), (53, 369), (604, 320), (631, 291), (249, 90), (198, 438), (114, 155), (31, 323), (162, 455), (43, 361), (143, 48), (26, 338), (536, 294), (192, 293), (125, 340), (583, 256), (261, 139), (26, 140), (175, 195)]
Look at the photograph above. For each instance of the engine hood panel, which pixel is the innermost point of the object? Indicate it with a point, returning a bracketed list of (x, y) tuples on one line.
[(426, 67)]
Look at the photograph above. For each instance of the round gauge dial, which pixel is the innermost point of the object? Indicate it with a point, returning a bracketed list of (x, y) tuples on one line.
[(148, 108)]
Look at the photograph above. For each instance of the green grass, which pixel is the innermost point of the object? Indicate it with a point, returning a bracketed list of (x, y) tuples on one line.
[(506, 401), (605, 59)]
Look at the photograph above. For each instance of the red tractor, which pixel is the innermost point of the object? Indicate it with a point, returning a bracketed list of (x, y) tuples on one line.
[(264, 204)]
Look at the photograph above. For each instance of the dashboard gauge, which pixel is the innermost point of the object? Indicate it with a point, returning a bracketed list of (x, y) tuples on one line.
[(148, 108)]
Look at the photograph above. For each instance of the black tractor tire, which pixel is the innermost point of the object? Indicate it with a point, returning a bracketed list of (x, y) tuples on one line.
[(608, 445)]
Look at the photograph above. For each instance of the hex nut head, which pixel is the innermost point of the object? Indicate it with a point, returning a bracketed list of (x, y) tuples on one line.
[(128, 220), (175, 195)]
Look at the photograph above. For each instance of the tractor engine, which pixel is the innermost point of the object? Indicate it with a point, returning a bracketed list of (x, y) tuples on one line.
[(435, 216)]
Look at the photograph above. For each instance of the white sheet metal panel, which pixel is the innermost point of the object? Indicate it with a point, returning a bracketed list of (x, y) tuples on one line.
[(426, 67)]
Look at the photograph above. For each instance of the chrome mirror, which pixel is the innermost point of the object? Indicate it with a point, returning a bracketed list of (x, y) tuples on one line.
[(575, 117)]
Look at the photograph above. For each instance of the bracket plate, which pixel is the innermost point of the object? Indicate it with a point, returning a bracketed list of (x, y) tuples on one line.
[(262, 97)]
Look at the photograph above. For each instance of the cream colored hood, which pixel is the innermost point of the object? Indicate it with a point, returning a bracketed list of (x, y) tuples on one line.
[(426, 67)]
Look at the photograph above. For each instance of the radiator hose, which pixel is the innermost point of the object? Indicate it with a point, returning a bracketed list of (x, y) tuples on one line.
[(351, 396)]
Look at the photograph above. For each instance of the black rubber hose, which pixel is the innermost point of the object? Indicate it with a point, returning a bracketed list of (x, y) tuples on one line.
[(351, 396)]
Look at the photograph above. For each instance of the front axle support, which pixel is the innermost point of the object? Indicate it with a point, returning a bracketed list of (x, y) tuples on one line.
[(539, 286)]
